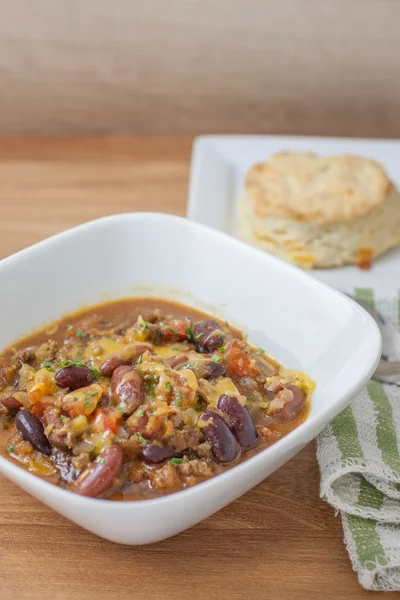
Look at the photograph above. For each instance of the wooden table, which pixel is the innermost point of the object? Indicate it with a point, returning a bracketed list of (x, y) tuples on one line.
[(279, 541)]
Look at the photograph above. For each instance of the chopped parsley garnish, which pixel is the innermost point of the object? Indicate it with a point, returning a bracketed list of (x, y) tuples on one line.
[(216, 358), (123, 410), (176, 461), (172, 330), (140, 413), (95, 371), (177, 394), (62, 417), (140, 439), (176, 402), (48, 363), (260, 351), (139, 360), (10, 448), (199, 336), (87, 401), (81, 335), (168, 386), (221, 349), (100, 460), (71, 363), (145, 324), (189, 332)]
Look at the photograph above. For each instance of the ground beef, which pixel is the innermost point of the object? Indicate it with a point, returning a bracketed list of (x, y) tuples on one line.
[(46, 351), (152, 316), (177, 420), (81, 462), (132, 446), (197, 468), (268, 434), (52, 349), (185, 439), (38, 355), (164, 477), (27, 355), (204, 450)]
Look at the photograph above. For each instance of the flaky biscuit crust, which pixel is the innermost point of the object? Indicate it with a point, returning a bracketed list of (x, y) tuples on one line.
[(307, 187)]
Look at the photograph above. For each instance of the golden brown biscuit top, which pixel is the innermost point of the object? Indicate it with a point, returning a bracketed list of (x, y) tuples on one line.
[(307, 187)]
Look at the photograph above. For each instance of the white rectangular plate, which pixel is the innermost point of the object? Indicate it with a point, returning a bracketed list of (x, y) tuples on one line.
[(219, 165)]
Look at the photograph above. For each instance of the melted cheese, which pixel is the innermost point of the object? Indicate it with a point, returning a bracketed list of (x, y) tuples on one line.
[(108, 345), (172, 349), (163, 351), (224, 385), (298, 378)]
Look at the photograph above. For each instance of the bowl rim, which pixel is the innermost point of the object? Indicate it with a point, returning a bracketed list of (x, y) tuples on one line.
[(308, 429)]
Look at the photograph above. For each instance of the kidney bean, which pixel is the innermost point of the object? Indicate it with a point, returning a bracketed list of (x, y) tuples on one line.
[(241, 421), (102, 473), (224, 444), (297, 404), (111, 363), (11, 403), (32, 431), (287, 403), (51, 416), (155, 455), (207, 335), (74, 378), (214, 370), (123, 357), (126, 387)]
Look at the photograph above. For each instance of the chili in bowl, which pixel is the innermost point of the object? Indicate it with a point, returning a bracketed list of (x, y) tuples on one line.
[(139, 398)]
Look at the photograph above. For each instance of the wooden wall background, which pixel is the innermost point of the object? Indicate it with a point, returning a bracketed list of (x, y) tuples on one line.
[(189, 66)]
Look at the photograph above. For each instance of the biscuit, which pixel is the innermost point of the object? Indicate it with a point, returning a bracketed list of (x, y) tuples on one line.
[(320, 212)]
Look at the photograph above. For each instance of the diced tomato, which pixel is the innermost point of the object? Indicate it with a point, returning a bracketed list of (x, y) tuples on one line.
[(106, 420), (40, 406), (177, 329), (239, 362)]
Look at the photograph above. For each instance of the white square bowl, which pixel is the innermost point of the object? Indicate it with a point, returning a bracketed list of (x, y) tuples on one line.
[(300, 321)]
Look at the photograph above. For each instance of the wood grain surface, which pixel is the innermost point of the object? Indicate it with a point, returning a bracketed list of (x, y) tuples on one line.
[(235, 66), (278, 541)]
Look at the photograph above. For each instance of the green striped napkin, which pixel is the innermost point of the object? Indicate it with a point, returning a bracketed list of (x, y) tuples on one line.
[(359, 460)]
